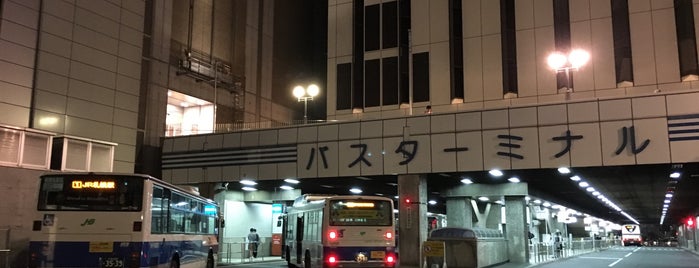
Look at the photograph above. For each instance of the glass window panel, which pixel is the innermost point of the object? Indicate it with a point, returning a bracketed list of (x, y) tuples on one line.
[(344, 86), (372, 88), (390, 81), (36, 150), (9, 145), (421, 77), (372, 33), (390, 24)]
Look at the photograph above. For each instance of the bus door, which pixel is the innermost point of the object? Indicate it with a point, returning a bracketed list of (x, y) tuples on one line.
[(299, 239)]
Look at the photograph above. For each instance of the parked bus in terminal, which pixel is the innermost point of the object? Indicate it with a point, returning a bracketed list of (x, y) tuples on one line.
[(340, 231), (115, 220), (631, 235)]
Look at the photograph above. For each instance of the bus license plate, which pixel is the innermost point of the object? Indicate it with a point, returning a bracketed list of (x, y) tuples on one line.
[(378, 254), (112, 262)]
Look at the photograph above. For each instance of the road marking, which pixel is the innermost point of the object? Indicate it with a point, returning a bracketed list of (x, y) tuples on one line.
[(600, 258), (613, 263), (628, 254)]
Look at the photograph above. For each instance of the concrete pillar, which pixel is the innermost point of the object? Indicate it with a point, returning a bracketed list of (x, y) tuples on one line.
[(412, 223), (481, 216), (517, 231), (494, 217), (460, 213)]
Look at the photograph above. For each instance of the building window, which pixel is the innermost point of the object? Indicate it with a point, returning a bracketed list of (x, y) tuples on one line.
[(187, 115), (509, 46), (686, 37), (389, 25), (456, 50), (344, 86), (372, 30), (372, 80), (390, 81), (561, 29), (622, 41), (421, 77)]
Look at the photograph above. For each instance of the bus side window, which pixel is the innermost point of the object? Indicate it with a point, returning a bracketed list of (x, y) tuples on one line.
[(158, 214)]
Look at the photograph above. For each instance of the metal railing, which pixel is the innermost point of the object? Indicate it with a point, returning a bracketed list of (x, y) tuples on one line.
[(546, 251), (239, 252), (240, 126)]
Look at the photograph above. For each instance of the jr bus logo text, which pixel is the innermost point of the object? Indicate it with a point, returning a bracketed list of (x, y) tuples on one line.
[(88, 222)]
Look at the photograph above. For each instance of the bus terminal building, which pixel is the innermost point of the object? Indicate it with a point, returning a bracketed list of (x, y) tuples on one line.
[(97, 82)]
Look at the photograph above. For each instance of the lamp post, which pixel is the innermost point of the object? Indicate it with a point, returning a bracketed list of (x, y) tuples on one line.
[(567, 63), (304, 95)]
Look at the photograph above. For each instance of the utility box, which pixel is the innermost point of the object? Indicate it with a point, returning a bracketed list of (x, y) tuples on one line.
[(469, 248)]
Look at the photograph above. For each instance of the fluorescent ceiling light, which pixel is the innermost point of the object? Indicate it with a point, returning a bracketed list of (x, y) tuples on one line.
[(292, 181), (583, 184), (575, 178), (249, 189), (432, 202), (495, 172), (483, 198), (466, 181), (563, 170), (286, 187), (248, 182), (514, 180), (356, 191), (675, 175)]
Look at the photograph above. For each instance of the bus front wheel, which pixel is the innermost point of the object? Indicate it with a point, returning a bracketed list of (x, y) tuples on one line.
[(307, 259)]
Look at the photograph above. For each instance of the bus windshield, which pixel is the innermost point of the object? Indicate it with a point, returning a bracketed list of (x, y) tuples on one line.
[(90, 193), (361, 213)]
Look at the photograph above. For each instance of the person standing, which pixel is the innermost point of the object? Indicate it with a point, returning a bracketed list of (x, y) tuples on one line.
[(253, 242)]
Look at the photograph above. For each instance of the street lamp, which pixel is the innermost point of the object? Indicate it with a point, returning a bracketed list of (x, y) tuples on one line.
[(566, 63), (304, 95)]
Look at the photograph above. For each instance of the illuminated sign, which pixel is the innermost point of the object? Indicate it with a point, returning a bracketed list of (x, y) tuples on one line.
[(359, 205), (93, 184)]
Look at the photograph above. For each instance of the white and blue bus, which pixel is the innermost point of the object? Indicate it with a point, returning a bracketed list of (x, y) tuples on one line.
[(111, 220), (340, 231)]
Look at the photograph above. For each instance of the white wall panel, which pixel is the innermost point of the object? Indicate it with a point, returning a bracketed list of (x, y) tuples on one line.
[(443, 161), (684, 151), (249, 172), (371, 129), (636, 6), (583, 78), (331, 84), (286, 170), (333, 34), (545, 77), (491, 17), (391, 159), (195, 175), (328, 132), (552, 114), (549, 148), (196, 143), (214, 142), (230, 173), (267, 171), (331, 157), (344, 29), (654, 130), (495, 119), (611, 133), (615, 109), (231, 140), (473, 69), (423, 159), (419, 22), (440, 73), (471, 18), (491, 147), (665, 43), (250, 139), (683, 104), (393, 127), (442, 123), (349, 131), (308, 134), (347, 155), (602, 48), (526, 63), (268, 137), (643, 54), (213, 174), (585, 152), (287, 135), (524, 15), (543, 13), (303, 156), (523, 117), (648, 107), (419, 125), (529, 149), (583, 112), (178, 176), (468, 121), (472, 159), (492, 67), (579, 10), (439, 20), (375, 157)]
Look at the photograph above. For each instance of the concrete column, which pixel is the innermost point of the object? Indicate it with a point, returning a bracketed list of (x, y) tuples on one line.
[(412, 224), (517, 231), (494, 217), (460, 213), (481, 216)]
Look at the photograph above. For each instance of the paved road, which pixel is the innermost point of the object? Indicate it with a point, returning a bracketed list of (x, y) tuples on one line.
[(631, 257), (618, 257)]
